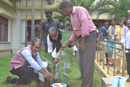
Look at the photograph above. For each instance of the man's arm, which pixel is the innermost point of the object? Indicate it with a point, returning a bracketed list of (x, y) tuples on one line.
[(42, 30), (41, 34), (58, 25), (82, 45), (34, 64), (102, 35)]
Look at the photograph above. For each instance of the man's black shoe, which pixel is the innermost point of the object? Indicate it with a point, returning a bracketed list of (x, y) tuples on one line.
[(128, 80), (80, 77)]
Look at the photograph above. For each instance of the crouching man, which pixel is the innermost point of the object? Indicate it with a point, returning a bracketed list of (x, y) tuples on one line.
[(25, 63)]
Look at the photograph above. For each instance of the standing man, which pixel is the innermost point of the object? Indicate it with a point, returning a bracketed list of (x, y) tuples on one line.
[(125, 35), (84, 30), (45, 25)]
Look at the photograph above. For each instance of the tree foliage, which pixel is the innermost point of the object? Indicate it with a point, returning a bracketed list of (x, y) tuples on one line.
[(50, 2), (88, 4), (14, 3), (117, 9)]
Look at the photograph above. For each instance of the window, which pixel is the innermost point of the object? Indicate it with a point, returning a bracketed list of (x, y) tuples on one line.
[(3, 29), (36, 27)]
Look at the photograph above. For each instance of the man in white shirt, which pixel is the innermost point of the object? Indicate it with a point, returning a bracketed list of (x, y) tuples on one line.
[(127, 51), (125, 39), (54, 44)]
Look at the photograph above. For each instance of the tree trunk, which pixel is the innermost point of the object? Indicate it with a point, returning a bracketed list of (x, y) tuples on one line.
[(41, 10), (26, 24), (32, 23)]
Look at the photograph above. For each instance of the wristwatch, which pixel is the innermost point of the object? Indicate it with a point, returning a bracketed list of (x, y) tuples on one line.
[(46, 71), (59, 58)]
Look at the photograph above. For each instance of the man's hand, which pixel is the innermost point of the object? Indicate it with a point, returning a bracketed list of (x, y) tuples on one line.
[(73, 43), (81, 47), (105, 37), (63, 47), (49, 76), (55, 61), (97, 39)]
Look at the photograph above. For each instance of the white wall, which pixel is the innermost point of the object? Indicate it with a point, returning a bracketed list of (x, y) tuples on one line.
[(16, 32)]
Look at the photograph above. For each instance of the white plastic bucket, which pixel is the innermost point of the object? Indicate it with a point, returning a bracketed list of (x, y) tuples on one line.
[(59, 85), (118, 81)]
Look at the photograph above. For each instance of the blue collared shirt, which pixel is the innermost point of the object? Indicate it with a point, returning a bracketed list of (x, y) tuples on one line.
[(102, 28), (38, 64)]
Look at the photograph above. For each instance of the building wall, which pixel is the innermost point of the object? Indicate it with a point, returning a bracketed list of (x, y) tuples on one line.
[(16, 26), (6, 47)]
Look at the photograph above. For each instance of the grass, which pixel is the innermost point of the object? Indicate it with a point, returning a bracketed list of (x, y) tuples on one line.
[(4, 71)]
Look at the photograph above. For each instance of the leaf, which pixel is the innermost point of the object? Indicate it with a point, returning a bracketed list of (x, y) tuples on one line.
[(66, 35), (67, 55), (64, 79), (47, 56), (68, 71)]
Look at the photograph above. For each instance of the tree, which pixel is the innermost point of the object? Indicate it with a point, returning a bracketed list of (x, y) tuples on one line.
[(41, 10), (32, 21), (88, 4), (50, 2), (26, 24), (14, 8), (64, 19), (14, 3), (117, 9)]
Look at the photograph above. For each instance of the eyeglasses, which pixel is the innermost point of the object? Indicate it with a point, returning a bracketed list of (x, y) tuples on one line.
[(48, 16)]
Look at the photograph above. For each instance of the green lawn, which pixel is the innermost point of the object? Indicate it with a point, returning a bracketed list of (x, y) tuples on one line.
[(4, 63)]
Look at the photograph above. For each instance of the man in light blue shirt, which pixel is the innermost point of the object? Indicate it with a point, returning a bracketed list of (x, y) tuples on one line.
[(26, 63)]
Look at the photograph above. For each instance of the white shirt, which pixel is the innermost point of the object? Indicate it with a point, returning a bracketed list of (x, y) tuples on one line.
[(123, 34), (127, 40), (38, 64), (50, 48), (50, 44)]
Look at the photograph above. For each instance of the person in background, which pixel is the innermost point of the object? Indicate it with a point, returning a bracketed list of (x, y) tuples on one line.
[(105, 36), (100, 42), (102, 28), (117, 37), (126, 23), (111, 30), (46, 24), (127, 52), (97, 31)]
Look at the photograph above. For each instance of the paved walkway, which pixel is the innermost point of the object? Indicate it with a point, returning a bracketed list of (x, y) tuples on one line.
[(104, 71)]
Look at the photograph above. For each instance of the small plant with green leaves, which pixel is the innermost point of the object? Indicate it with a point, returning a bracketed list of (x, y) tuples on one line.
[(66, 56)]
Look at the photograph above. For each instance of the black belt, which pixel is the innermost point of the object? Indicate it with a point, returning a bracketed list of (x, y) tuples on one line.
[(89, 32)]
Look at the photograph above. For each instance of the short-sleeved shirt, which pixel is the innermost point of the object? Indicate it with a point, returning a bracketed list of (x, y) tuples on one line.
[(102, 28), (45, 25), (105, 33)]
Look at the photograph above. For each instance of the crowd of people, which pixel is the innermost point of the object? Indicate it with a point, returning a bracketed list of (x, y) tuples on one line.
[(116, 33)]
